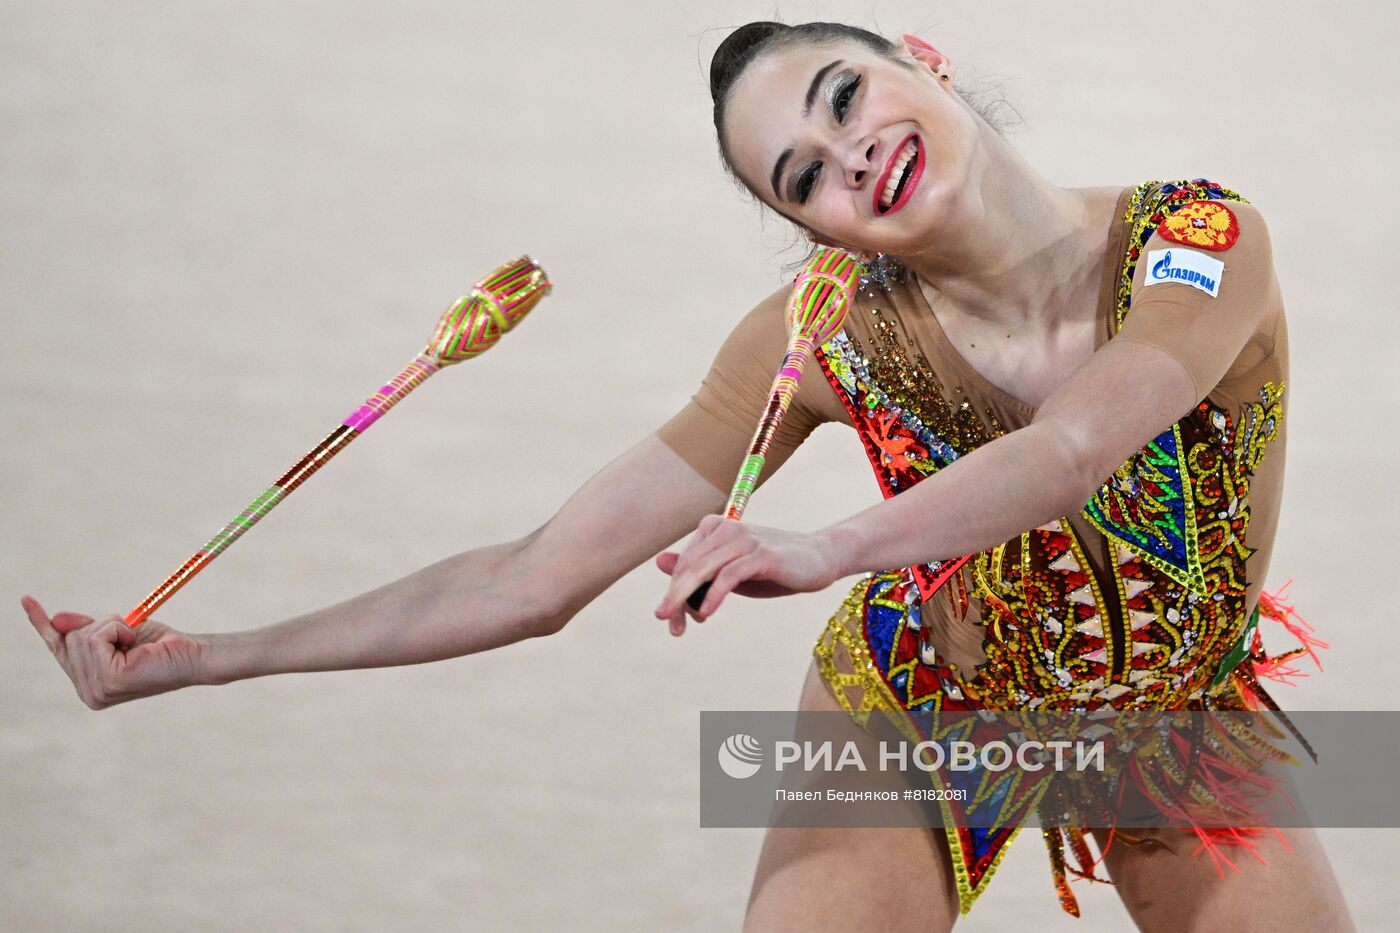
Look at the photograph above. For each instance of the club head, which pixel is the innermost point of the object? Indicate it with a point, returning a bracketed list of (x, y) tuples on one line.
[(822, 294), (475, 322)]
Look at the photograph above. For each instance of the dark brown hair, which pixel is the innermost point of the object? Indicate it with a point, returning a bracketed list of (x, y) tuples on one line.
[(743, 45)]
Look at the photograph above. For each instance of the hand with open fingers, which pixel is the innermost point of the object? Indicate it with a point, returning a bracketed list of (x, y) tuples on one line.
[(735, 557), (110, 662)]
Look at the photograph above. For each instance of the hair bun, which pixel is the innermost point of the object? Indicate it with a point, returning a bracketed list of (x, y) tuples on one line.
[(736, 51)]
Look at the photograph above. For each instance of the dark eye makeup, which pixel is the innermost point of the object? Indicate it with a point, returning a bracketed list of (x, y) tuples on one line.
[(840, 93)]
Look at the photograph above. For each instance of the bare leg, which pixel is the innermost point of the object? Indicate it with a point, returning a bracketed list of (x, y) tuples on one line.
[(1165, 887), (892, 879)]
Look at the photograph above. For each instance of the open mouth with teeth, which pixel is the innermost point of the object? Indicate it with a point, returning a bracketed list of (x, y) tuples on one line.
[(901, 175)]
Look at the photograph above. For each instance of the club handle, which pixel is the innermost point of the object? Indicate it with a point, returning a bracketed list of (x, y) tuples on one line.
[(359, 421), (697, 599), (333, 444)]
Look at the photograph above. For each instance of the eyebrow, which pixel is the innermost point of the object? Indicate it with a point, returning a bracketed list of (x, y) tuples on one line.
[(812, 88), (807, 104)]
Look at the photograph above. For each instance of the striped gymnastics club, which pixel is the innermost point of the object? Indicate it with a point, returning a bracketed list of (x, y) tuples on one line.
[(469, 327), (816, 309)]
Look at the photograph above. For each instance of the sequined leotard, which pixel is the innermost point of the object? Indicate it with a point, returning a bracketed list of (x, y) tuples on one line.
[(1147, 598)]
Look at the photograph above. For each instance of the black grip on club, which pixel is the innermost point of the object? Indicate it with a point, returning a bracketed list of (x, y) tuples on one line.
[(696, 599)]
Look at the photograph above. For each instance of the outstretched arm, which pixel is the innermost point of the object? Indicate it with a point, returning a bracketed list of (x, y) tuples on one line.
[(481, 599)]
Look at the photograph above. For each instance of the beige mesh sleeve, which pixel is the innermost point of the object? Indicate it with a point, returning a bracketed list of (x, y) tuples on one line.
[(1210, 336), (713, 431)]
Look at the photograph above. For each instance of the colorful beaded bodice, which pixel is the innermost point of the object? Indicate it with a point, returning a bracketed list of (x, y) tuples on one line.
[(1160, 627)]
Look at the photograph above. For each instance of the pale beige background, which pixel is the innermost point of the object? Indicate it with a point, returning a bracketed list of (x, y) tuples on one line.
[(222, 225)]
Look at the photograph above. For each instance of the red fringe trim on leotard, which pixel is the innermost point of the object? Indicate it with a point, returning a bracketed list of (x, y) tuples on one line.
[(1279, 667), (1229, 784)]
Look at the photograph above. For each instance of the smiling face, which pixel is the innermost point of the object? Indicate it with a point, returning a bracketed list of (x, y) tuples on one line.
[(867, 152)]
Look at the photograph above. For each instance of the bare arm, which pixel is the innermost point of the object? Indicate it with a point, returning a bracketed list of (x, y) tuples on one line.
[(1177, 344), (1047, 469), (488, 597), (496, 595), (474, 601)]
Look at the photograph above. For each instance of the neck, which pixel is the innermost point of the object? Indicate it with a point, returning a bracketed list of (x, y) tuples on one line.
[(1022, 249)]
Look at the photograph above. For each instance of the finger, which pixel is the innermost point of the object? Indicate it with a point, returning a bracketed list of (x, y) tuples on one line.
[(76, 661), (688, 573), (679, 619), (40, 620), (696, 549), (714, 531), (675, 622), (110, 638), (115, 635), (68, 622), (689, 613), (692, 568), (89, 656), (685, 583), (733, 574)]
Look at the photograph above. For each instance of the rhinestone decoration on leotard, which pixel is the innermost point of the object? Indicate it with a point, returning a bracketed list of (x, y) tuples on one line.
[(1152, 202), (909, 431)]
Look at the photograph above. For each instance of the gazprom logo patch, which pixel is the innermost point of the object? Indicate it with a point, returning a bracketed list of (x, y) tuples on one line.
[(1186, 266)]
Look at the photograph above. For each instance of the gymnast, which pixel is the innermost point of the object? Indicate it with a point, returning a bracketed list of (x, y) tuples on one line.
[(1079, 390)]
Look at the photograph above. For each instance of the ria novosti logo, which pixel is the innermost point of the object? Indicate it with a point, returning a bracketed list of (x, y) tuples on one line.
[(741, 756)]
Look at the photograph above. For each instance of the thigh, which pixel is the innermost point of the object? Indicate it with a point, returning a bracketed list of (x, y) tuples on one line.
[(1166, 887), (818, 878)]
